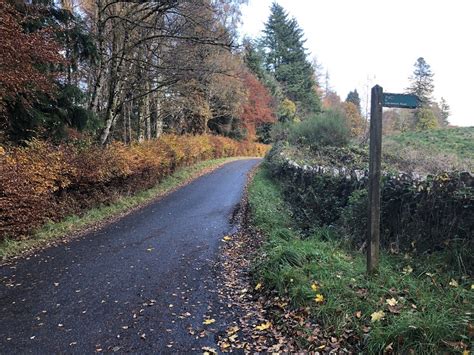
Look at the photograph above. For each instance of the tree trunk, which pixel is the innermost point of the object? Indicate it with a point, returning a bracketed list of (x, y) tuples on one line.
[(156, 115), (147, 111)]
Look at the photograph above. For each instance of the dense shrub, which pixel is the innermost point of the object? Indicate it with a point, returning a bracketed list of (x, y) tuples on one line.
[(327, 128), (42, 182)]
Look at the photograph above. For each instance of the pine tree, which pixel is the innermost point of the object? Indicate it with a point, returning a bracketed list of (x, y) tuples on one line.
[(422, 82), (255, 61), (286, 59), (445, 111), (353, 97), (253, 58)]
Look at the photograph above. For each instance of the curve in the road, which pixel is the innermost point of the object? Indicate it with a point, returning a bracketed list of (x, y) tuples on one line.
[(143, 283)]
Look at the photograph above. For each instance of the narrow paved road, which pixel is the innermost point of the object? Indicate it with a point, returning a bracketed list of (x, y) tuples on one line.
[(140, 284)]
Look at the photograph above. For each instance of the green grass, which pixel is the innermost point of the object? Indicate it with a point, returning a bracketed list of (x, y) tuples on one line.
[(432, 313), (432, 151), (458, 141), (54, 231)]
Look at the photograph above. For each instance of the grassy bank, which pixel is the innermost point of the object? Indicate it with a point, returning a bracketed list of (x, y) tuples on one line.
[(432, 151), (418, 305), (72, 224)]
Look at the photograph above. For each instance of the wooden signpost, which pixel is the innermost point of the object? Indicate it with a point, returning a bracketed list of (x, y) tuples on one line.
[(378, 101)]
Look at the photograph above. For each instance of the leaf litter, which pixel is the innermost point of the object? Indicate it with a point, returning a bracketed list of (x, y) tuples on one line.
[(263, 321)]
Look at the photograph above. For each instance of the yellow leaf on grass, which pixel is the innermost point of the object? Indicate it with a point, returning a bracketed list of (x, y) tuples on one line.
[(407, 270), (315, 286), (208, 321), (258, 286), (263, 326), (472, 287), (392, 302), (376, 316), (465, 352), (319, 298), (453, 283)]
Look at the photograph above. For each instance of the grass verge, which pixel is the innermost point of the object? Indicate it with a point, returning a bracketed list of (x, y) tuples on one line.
[(413, 305), (55, 231)]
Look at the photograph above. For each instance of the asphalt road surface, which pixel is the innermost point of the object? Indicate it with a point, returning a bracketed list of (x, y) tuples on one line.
[(145, 283)]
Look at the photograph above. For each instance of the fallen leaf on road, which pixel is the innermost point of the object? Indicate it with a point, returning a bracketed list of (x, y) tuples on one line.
[(263, 326), (224, 345), (208, 321), (258, 286), (208, 350), (232, 330), (227, 238)]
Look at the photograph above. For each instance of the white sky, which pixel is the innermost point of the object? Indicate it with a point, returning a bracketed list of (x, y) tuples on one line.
[(381, 40)]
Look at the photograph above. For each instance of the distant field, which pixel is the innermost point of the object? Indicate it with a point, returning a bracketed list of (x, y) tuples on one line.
[(459, 141), (432, 151)]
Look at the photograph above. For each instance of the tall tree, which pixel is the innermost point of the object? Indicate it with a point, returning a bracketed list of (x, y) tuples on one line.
[(421, 82), (445, 112), (354, 119), (353, 97), (257, 109), (286, 58)]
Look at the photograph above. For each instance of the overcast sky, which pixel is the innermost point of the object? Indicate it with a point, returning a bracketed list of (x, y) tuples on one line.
[(378, 41)]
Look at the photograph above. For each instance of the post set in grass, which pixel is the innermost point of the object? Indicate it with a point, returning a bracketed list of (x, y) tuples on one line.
[(378, 101)]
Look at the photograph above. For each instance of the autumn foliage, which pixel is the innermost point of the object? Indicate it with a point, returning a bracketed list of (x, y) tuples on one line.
[(23, 58), (42, 182), (258, 108)]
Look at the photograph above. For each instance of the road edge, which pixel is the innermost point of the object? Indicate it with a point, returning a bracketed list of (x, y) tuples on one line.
[(28, 247)]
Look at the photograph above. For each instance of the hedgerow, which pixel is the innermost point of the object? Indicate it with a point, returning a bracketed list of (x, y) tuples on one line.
[(43, 182), (422, 215)]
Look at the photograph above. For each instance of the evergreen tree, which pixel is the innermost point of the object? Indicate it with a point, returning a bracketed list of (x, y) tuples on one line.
[(255, 61), (422, 82), (327, 86), (285, 58), (445, 111), (253, 58), (353, 97)]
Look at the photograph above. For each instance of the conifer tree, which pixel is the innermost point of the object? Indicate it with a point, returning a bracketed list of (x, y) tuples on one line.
[(353, 97), (445, 111), (285, 57), (422, 82)]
